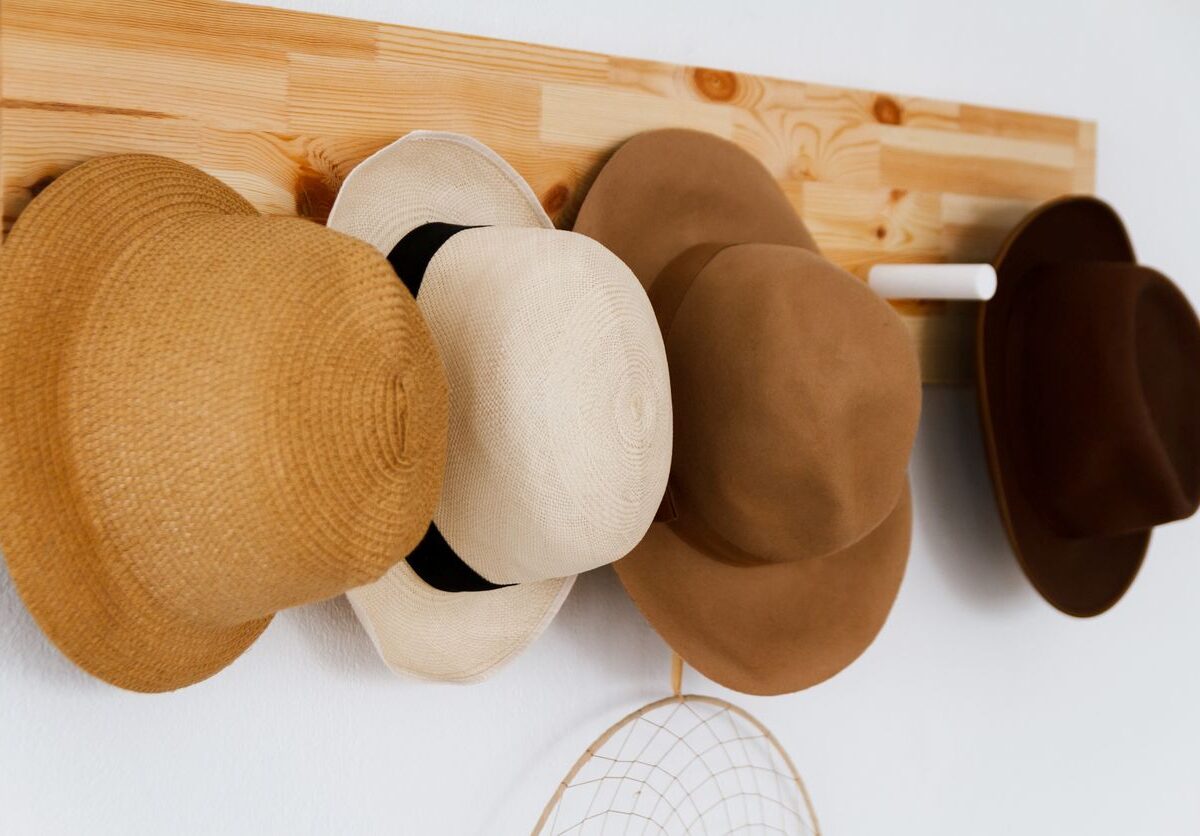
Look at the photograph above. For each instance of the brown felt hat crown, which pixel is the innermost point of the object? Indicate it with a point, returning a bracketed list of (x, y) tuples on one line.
[(207, 416), (784, 533), (1089, 368)]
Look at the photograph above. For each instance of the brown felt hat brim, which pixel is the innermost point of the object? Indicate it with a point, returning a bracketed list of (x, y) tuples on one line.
[(64, 243), (766, 629), (770, 629), (1079, 576), (665, 191)]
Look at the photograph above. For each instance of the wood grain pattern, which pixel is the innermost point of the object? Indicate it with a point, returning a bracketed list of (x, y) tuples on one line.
[(281, 105)]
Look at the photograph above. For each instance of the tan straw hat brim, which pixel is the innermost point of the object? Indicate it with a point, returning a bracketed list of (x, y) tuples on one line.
[(421, 631), (83, 595)]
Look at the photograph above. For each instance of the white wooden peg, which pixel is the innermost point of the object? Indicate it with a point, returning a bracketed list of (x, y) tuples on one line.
[(975, 282)]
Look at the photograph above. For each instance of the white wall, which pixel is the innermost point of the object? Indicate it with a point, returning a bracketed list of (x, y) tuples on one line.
[(978, 711)]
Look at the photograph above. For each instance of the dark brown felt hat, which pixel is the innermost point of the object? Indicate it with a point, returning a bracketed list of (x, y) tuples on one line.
[(1089, 386), (784, 533)]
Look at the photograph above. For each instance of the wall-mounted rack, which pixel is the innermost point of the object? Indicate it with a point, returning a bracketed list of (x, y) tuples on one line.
[(281, 105)]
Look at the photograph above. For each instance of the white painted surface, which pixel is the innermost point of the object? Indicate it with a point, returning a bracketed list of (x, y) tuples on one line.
[(978, 711), (933, 281)]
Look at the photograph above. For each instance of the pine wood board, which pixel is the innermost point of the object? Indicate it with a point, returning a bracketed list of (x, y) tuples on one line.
[(281, 105)]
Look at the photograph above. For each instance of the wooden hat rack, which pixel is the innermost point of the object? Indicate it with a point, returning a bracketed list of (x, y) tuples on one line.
[(281, 105)]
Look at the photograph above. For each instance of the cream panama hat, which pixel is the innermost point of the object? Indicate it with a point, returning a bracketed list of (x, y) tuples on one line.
[(560, 408)]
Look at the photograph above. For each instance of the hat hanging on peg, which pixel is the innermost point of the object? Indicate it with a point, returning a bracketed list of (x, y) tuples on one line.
[(970, 282)]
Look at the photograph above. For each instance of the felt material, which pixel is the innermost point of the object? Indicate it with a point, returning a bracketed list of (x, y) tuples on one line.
[(1090, 401), (207, 416), (783, 538), (773, 628)]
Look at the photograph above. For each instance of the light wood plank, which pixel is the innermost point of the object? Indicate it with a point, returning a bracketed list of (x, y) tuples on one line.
[(588, 117), (858, 227), (281, 105), (42, 143)]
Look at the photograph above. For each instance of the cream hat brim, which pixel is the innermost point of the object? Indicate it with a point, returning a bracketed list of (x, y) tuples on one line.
[(418, 630), (460, 637), (427, 177)]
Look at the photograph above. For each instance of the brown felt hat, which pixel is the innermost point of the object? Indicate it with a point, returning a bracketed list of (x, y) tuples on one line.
[(785, 530), (1089, 385), (207, 416)]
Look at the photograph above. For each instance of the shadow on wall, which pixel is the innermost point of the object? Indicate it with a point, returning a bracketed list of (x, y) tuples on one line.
[(600, 621), (337, 642), (958, 524), (330, 628), (598, 626), (597, 621), (24, 645)]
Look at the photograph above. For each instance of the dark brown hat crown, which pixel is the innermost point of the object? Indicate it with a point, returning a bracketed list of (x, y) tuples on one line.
[(797, 394), (1105, 361)]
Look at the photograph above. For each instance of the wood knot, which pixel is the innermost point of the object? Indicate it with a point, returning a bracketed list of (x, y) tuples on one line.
[(556, 198), (715, 85), (314, 195), (38, 186), (898, 195), (887, 110), (881, 232)]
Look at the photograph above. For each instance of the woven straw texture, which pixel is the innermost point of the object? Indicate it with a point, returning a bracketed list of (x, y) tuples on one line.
[(208, 416), (429, 176), (425, 633), (560, 412)]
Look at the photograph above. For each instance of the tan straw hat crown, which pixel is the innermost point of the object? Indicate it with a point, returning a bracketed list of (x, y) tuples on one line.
[(207, 416)]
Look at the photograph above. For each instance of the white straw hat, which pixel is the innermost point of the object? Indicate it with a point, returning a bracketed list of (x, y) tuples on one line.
[(560, 406)]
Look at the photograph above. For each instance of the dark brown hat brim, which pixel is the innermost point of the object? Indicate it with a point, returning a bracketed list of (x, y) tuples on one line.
[(767, 629), (1079, 576)]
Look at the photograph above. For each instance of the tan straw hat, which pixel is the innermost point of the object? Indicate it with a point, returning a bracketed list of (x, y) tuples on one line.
[(560, 410), (796, 395), (207, 416)]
